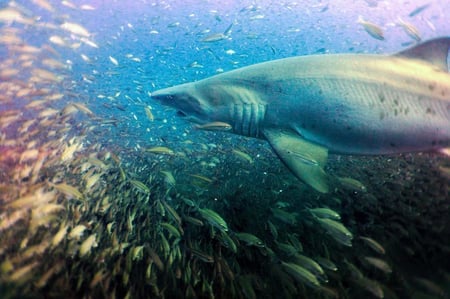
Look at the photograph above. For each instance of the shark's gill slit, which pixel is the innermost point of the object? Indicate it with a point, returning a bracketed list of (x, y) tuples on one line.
[(237, 117), (253, 129), (258, 117), (246, 119)]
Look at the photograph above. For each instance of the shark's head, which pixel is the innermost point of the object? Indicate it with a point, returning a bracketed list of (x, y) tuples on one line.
[(217, 99), (193, 103), (184, 99)]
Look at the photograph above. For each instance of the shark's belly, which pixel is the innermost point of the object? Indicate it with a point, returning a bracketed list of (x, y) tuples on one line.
[(362, 118)]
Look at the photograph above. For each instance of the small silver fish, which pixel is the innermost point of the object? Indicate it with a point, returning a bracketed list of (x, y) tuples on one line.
[(410, 29), (374, 30), (214, 126)]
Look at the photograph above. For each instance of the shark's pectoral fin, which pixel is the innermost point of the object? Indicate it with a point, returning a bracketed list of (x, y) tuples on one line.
[(305, 159)]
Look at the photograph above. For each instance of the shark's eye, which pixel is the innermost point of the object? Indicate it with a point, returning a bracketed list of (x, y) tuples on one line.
[(181, 113)]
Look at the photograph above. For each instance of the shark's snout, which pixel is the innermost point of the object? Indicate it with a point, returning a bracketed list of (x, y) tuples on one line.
[(184, 100), (168, 99), (163, 96)]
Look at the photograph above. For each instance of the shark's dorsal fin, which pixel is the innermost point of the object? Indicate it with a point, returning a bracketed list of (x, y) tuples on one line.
[(305, 159), (434, 51)]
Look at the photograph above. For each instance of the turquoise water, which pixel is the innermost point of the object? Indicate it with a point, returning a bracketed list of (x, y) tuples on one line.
[(104, 193)]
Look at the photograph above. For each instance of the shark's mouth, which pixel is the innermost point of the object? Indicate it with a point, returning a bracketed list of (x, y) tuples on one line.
[(181, 113), (189, 117)]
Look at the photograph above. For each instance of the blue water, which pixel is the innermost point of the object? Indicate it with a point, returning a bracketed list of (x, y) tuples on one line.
[(159, 44)]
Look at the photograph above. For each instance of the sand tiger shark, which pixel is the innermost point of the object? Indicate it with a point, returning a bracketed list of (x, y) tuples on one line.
[(308, 106)]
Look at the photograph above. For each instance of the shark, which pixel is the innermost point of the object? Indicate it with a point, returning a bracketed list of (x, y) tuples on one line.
[(307, 107)]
